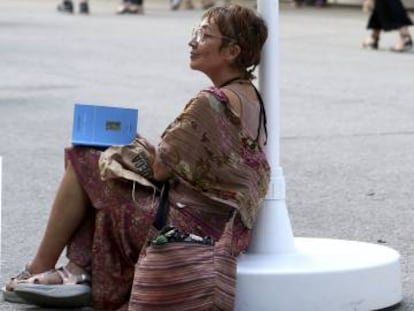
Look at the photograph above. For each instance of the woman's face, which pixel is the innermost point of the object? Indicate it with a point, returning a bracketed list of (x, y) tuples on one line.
[(205, 54)]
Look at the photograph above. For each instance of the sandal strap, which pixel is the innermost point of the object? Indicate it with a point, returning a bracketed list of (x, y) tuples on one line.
[(22, 275), (26, 277), (72, 279), (37, 278)]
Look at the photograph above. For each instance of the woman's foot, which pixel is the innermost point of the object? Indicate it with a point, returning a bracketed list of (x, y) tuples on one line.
[(8, 290), (27, 277), (71, 274), (58, 288), (67, 286), (371, 43), (404, 45)]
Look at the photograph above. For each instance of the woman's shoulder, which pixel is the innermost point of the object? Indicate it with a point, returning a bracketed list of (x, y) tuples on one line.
[(213, 93), (208, 98), (220, 99)]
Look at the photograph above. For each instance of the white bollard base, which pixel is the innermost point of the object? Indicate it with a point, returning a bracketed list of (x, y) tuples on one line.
[(321, 275)]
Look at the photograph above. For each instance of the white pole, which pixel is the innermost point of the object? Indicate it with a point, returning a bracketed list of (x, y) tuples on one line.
[(269, 78), (273, 232)]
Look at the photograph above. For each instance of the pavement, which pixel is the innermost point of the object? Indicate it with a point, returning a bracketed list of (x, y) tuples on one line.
[(347, 130)]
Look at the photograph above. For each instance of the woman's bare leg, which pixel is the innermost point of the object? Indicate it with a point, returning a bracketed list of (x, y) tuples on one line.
[(67, 212)]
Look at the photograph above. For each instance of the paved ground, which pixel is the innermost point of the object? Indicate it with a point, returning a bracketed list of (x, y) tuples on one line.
[(347, 114)]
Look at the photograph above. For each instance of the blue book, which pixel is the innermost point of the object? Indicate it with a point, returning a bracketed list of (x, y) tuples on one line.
[(103, 126)]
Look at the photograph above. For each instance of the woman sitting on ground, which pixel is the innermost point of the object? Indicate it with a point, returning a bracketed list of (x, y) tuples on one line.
[(211, 154)]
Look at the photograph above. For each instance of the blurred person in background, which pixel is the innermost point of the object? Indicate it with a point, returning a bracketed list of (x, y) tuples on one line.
[(188, 4), (318, 3), (321, 2), (67, 7), (387, 15)]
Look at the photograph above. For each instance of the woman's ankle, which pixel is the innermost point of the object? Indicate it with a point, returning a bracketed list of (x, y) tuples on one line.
[(376, 34), (74, 268), (36, 268)]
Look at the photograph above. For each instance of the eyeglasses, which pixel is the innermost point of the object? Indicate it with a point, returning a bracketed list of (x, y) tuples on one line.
[(199, 35)]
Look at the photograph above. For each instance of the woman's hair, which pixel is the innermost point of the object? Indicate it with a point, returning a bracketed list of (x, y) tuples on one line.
[(248, 30)]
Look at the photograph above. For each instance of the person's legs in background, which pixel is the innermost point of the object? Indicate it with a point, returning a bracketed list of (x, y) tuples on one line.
[(388, 15), (67, 7), (83, 7)]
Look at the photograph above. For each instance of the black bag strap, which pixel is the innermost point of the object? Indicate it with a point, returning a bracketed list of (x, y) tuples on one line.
[(262, 116), (161, 217)]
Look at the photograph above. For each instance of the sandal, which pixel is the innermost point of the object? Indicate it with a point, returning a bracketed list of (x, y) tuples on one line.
[(404, 45), (74, 291), (371, 43)]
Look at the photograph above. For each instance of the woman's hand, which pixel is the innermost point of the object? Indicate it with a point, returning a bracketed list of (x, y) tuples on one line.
[(160, 171)]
